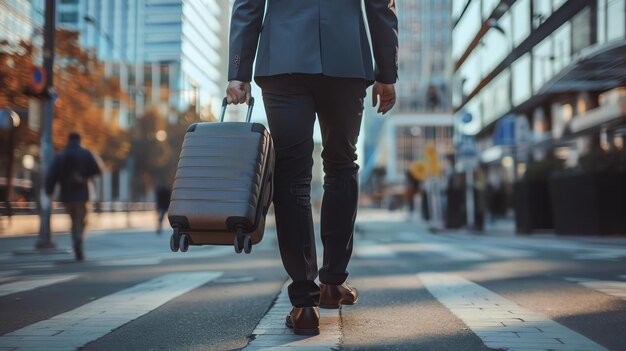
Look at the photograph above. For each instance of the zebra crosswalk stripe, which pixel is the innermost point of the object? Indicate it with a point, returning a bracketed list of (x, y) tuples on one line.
[(500, 323), (8, 273), (614, 288), (73, 329), (372, 249), (26, 284)]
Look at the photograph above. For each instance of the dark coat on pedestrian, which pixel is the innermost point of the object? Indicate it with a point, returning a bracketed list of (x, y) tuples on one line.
[(72, 168), (314, 36)]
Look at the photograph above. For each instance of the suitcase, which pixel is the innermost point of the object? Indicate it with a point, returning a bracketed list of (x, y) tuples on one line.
[(223, 186)]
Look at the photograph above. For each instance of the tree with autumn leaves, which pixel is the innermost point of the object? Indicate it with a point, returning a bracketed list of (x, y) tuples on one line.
[(154, 160), (82, 86)]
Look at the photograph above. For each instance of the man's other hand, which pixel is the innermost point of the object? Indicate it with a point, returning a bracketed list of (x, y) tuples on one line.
[(238, 92), (386, 94)]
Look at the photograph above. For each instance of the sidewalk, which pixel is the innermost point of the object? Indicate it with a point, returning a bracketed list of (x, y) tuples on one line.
[(25, 225), (380, 221)]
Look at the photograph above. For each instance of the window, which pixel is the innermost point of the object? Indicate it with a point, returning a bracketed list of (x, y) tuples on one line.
[(542, 10), (466, 30), (496, 100), (601, 21), (557, 3), (495, 47), (488, 7), (562, 46), (542, 63), (581, 30), (470, 72), (521, 21), (69, 17), (165, 75), (615, 19), (521, 80)]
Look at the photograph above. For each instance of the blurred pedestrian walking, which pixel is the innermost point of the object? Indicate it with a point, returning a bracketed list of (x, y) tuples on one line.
[(412, 192), (163, 194), (319, 63), (73, 167)]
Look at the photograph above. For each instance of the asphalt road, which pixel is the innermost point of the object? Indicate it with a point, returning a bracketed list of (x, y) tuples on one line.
[(418, 291)]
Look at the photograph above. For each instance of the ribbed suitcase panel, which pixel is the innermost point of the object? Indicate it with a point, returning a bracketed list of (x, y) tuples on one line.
[(207, 172), (221, 151), (217, 196), (219, 175), (216, 184)]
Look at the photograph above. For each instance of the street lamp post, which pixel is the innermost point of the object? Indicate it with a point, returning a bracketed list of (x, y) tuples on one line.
[(44, 240)]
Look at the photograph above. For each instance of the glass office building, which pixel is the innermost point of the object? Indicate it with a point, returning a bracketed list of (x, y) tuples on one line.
[(16, 22), (539, 79), (170, 53), (422, 113)]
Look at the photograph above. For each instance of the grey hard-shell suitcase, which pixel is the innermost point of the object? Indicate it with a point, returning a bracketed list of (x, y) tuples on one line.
[(223, 185)]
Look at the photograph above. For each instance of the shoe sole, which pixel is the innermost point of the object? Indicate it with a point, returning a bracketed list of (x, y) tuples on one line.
[(334, 307), (313, 331)]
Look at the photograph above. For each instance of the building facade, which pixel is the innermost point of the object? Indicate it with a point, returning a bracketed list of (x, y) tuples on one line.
[(540, 80), (18, 21), (422, 114), (167, 53)]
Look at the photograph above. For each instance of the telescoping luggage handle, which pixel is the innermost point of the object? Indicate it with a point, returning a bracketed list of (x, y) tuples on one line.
[(248, 114)]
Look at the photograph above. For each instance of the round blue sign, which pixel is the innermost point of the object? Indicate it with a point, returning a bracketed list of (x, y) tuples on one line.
[(467, 117), (38, 79)]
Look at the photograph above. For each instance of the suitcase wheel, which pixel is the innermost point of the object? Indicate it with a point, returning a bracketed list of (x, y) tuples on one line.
[(242, 242), (238, 245), (247, 244), (173, 244), (183, 243), (175, 240)]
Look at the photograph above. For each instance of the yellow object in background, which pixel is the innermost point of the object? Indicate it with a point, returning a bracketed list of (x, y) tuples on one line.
[(431, 152), (434, 167), (419, 170)]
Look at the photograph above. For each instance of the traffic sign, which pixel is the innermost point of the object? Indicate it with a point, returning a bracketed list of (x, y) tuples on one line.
[(38, 80), (466, 117), (504, 133), (466, 146)]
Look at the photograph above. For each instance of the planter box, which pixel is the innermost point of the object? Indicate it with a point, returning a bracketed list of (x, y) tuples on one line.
[(533, 207), (592, 204)]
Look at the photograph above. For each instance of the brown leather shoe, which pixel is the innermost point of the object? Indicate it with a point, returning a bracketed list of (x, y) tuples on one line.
[(304, 320), (332, 296)]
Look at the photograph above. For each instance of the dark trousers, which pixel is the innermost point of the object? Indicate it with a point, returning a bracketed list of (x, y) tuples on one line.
[(292, 102), (78, 213), (161, 212)]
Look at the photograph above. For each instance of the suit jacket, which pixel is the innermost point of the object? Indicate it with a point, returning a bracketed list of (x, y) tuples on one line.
[(314, 36)]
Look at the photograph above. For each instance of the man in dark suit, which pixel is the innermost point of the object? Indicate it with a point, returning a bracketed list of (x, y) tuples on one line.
[(313, 58)]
